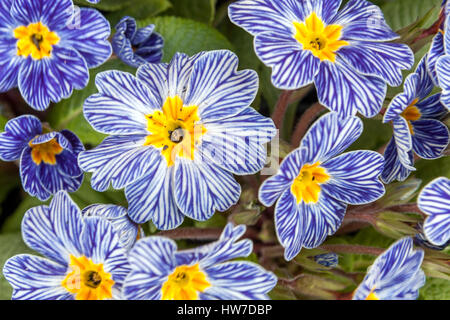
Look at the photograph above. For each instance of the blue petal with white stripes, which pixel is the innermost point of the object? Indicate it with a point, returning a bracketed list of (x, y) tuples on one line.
[(349, 178), (59, 232), (353, 74), (79, 41), (394, 275), (48, 162), (154, 259), (232, 140), (434, 201)]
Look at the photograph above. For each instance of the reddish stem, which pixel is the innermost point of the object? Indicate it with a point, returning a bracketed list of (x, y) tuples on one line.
[(281, 107), (305, 121)]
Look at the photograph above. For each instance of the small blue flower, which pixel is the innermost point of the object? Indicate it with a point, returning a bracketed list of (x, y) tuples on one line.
[(394, 275), (128, 231), (434, 201), (159, 271), (48, 161), (179, 132), (315, 183), (421, 240), (135, 46), (417, 127), (348, 54), (329, 260), (83, 257), (48, 48)]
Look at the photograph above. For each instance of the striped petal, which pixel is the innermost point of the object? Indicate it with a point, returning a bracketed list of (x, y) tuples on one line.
[(121, 105), (217, 88), (363, 21), (434, 200), (88, 34), (53, 79), (238, 280), (292, 67), (53, 14), (436, 51), (395, 274), (179, 73), (75, 144), (330, 136), (60, 176), (382, 60), (443, 70), (425, 84), (28, 175), (272, 188), (403, 140), (432, 108), (393, 167), (18, 132), (154, 75), (430, 138), (54, 230), (402, 100), (201, 188), (120, 160), (36, 278), (342, 90), (289, 225), (354, 177), (236, 143), (100, 242), (10, 62)]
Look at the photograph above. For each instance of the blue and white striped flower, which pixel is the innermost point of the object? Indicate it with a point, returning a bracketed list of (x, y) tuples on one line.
[(415, 117), (48, 160), (329, 260), (128, 231), (48, 47), (159, 271), (136, 46), (394, 275), (437, 49), (434, 201), (348, 54), (421, 240), (83, 258), (442, 68), (179, 132), (316, 182)]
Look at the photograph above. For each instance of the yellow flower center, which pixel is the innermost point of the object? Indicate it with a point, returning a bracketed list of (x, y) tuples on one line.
[(88, 281), (306, 186), (185, 283), (35, 40), (46, 151), (411, 113), (323, 41), (175, 130), (372, 295)]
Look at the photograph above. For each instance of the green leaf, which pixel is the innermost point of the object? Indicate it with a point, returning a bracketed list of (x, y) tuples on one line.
[(199, 10), (428, 170), (402, 13), (188, 36), (10, 245), (435, 289), (139, 9), (375, 135), (68, 114), (105, 5)]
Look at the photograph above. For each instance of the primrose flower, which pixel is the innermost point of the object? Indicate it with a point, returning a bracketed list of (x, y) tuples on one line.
[(179, 132), (135, 46), (394, 275), (47, 49), (347, 53), (417, 127), (48, 160), (127, 230), (315, 183), (84, 259), (434, 201), (160, 272), (443, 65)]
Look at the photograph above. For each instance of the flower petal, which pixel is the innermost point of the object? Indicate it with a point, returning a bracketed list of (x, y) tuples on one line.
[(393, 167), (404, 99), (436, 51), (154, 75), (354, 177), (10, 62), (430, 138), (28, 175), (443, 70)]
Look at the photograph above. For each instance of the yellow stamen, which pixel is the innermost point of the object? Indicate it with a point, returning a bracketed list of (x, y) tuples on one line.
[(323, 41), (175, 130), (185, 283), (372, 295), (306, 186), (87, 280), (46, 151), (411, 113), (35, 40)]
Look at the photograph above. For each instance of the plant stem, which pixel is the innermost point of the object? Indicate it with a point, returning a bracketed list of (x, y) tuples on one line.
[(303, 124), (355, 249), (281, 107)]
